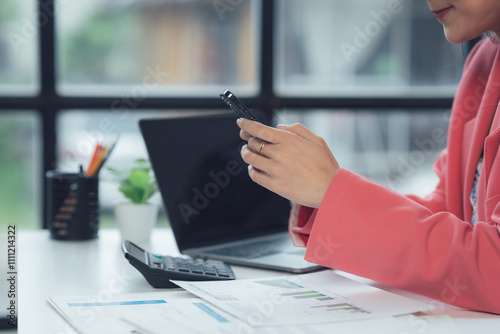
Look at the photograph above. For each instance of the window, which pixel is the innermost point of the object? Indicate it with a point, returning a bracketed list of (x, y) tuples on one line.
[(363, 47), (167, 47), (20, 166), (18, 48), (376, 78)]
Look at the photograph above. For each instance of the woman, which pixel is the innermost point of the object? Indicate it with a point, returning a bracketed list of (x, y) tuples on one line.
[(445, 246)]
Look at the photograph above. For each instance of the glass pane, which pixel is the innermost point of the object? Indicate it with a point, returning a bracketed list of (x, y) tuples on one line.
[(396, 148), (364, 47), (18, 47), (78, 131), (20, 166), (157, 47)]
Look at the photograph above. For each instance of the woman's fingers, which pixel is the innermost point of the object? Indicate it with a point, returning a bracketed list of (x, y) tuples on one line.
[(289, 160), (260, 147), (254, 159), (245, 135), (256, 129), (258, 176), (300, 130)]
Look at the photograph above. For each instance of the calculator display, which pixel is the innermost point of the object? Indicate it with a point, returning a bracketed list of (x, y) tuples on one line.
[(137, 252)]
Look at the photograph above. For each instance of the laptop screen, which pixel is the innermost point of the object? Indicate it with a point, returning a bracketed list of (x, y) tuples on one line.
[(207, 193)]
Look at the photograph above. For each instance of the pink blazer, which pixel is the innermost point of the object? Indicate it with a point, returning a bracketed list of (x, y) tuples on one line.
[(424, 245)]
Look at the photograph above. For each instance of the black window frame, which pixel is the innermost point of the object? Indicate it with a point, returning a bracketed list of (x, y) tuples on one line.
[(48, 103)]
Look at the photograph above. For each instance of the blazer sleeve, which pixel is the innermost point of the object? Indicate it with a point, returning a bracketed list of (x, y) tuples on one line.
[(370, 231), (436, 201), (302, 218)]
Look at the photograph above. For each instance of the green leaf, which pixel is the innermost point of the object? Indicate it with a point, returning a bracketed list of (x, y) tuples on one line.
[(140, 184), (149, 191), (131, 193), (139, 178)]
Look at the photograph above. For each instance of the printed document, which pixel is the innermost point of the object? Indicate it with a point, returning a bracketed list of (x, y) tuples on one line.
[(320, 297)]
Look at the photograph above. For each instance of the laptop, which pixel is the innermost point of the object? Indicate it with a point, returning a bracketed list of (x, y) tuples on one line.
[(215, 210)]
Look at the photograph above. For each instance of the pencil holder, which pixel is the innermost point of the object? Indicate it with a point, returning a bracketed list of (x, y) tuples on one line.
[(72, 206)]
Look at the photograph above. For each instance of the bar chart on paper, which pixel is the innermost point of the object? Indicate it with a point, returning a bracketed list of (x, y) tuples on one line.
[(325, 303), (316, 301), (301, 300), (312, 298)]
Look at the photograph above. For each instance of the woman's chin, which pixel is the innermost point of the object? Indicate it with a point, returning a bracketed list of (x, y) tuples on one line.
[(455, 37)]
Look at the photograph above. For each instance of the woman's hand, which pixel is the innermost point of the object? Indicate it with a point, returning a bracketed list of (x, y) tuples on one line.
[(294, 162)]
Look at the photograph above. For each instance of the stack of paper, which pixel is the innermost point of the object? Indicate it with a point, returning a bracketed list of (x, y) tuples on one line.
[(321, 302)]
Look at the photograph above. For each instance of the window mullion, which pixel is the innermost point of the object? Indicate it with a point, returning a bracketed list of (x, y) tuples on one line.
[(47, 95)]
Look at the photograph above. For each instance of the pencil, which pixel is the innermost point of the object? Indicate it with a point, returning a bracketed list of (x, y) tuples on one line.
[(106, 157), (93, 159), (98, 161)]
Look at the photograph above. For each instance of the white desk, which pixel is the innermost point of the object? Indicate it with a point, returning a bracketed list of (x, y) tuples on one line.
[(50, 267)]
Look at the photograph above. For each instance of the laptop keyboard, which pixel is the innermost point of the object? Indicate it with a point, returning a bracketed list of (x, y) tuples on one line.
[(254, 250)]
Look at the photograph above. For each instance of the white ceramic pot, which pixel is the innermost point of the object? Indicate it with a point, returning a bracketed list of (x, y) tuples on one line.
[(136, 221)]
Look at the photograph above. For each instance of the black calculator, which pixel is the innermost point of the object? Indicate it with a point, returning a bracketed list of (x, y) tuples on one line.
[(159, 269)]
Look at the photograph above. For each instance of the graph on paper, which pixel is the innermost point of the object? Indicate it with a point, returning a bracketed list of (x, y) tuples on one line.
[(301, 300), (144, 313), (313, 298), (178, 312), (323, 302)]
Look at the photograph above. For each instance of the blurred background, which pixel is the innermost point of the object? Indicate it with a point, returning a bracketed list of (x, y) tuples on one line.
[(375, 78)]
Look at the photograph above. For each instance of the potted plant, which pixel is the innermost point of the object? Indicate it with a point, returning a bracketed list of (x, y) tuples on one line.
[(137, 217)]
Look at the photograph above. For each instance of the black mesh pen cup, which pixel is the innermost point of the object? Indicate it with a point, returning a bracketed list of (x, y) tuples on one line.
[(72, 206)]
